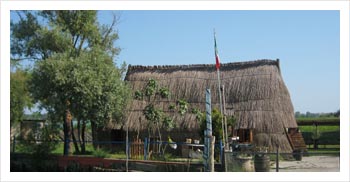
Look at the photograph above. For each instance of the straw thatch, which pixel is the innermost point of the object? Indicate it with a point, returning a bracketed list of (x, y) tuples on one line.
[(254, 92)]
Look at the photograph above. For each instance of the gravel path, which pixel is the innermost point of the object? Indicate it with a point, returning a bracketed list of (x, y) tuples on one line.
[(310, 164)]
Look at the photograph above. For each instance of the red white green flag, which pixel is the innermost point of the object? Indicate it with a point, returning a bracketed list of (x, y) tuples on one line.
[(216, 54)]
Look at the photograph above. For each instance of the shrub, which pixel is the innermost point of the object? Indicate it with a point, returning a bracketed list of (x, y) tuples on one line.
[(100, 153)]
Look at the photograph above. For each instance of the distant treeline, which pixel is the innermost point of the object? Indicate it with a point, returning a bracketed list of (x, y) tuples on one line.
[(316, 115)]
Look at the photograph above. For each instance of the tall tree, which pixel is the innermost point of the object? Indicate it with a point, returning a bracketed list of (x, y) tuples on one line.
[(88, 86), (19, 95), (38, 35)]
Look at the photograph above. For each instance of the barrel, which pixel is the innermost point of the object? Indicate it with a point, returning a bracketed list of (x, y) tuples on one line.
[(298, 155), (262, 163)]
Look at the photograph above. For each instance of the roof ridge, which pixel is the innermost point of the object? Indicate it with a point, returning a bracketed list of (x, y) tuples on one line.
[(191, 66)]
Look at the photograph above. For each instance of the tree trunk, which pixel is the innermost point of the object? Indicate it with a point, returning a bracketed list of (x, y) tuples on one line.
[(67, 134), (160, 140), (82, 144), (76, 146), (78, 129), (94, 135)]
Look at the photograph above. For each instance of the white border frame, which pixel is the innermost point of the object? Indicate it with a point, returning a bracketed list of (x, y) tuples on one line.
[(342, 6)]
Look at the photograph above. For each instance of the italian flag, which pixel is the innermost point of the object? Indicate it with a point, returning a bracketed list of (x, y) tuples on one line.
[(216, 54)]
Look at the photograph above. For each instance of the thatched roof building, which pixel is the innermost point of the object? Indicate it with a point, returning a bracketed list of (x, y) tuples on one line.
[(254, 92)]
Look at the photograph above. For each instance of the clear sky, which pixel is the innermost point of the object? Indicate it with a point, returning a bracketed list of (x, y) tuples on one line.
[(306, 42)]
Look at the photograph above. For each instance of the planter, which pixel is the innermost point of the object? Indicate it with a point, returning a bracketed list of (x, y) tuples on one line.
[(245, 163), (262, 163), (298, 155)]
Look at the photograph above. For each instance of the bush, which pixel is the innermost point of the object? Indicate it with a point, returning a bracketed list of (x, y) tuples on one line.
[(100, 153)]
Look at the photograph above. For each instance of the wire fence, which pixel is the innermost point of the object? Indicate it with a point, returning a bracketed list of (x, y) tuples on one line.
[(149, 150)]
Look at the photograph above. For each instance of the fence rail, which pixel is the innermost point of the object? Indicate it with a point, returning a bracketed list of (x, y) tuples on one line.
[(137, 149)]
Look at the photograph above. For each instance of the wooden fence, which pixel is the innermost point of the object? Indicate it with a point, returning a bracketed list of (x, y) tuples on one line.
[(137, 149)]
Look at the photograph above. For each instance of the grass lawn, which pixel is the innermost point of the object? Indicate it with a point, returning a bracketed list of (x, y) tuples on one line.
[(319, 128), (328, 135), (59, 148), (92, 152), (325, 151), (320, 119)]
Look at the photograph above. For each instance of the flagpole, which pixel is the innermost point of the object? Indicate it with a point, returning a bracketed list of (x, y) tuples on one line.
[(222, 114), (219, 89)]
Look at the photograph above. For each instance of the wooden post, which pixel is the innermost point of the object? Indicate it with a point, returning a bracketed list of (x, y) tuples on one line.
[(250, 135), (145, 149), (225, 119), (277, 160), (212, 162), (127, 147)]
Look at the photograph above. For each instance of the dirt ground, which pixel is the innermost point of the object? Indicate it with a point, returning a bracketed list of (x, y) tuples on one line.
[(310, 164)]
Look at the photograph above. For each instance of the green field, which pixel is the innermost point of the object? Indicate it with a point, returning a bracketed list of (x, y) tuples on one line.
[(320, 119), (321, 129), (329, 136)]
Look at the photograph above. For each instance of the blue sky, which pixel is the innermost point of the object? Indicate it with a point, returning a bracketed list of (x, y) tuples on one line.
[(306, 42)]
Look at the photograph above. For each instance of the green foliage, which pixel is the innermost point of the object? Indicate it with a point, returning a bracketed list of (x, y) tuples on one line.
[(151, 88), (198, 113), (316, 135), (138, 95), (40, 149), (153, 114), (100, 153), (74, 57), (310, 115), (19, 95), (172, 107), (319, 119), (90, 82), (168, 123), (183, 106), (59, 31), (231, 121), (320, 128), (216, 118), (327, 135), (164, 92), (157, 118)]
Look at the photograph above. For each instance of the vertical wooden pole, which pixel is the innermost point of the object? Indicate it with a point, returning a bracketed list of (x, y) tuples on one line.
[(250, 135), (127, 147), (212, 146), (145, 149), (224, 115), (221, 110), (277, 160)]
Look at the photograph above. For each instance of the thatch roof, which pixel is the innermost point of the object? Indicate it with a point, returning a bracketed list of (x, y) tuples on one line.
[(254, 92)]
